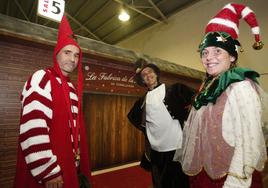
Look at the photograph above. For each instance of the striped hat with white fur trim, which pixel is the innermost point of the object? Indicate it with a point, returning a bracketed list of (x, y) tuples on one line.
[(222, 31), (227, 20)]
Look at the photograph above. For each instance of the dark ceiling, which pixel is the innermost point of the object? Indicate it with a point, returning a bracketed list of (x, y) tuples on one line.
[(97, 19)]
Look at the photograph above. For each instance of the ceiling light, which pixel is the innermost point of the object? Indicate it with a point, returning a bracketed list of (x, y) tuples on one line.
[(123, 16)]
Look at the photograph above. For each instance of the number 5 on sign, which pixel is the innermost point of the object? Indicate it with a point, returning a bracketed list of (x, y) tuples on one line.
[(51, 9)]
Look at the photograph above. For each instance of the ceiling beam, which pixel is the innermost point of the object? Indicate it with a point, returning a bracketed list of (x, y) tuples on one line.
[(8, 6), (34, 5), (47, 22), (82, 26), (21, 10), (77, 12), (158, 11), (82, 6), (123, 25), (119, 27), (95, 14), (105, 23), (137, 10)]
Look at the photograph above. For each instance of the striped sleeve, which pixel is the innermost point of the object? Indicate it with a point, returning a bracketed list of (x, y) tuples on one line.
[(36, 117)]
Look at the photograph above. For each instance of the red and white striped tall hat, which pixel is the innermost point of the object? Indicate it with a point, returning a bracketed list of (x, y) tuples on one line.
[(227, 20)]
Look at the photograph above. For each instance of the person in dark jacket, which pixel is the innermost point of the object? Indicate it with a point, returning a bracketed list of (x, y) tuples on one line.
[(160, 115)]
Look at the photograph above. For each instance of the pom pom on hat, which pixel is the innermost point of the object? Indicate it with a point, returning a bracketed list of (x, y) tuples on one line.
[(227, 21)]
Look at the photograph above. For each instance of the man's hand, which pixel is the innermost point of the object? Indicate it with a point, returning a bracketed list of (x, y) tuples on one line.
[(55, 183)]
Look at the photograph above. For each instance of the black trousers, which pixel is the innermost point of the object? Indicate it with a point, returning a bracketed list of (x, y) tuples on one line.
[(167, 173)]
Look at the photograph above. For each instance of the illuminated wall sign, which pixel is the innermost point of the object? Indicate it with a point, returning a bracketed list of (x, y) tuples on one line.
[(51, 9)]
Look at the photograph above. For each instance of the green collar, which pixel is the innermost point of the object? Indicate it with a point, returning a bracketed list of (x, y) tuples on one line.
[(213, 87)]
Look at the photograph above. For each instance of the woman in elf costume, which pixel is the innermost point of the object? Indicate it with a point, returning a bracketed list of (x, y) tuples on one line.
[(224, 144)]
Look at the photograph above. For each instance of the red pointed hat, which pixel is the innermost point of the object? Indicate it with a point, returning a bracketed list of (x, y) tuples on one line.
[(67, 37), (227, 20)]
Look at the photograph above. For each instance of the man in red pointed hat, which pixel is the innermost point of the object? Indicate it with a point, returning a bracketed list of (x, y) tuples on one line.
[(224, 146), (52, 149)]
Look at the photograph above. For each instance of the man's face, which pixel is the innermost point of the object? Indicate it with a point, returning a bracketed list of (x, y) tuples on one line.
[(149, 77), (68, 58)]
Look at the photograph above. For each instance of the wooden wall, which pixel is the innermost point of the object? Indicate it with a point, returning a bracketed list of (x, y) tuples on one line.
[(113, 140), (17, 62)]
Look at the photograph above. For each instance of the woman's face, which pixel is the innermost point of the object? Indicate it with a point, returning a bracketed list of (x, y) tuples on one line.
[(216, 60), (149, 77)]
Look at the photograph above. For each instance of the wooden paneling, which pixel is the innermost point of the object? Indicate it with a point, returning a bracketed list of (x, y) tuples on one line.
[(113, 140), (17, 62)]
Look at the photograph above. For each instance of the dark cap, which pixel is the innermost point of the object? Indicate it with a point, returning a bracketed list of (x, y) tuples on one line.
[(141, 64), (222, 40)]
